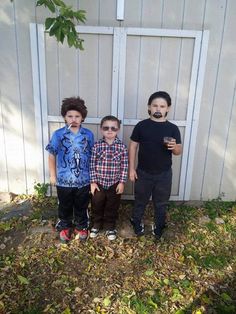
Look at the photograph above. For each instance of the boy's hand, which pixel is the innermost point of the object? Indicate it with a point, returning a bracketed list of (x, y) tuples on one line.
[(133, 175), (94, 187), (120, 188), (53, 180), (171, 144)]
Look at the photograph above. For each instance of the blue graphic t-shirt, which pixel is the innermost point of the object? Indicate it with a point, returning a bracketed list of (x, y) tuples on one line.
[(73, 152)]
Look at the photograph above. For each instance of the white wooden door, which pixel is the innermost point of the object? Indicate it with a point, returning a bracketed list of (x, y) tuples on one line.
[(170, 60), (117, 72)]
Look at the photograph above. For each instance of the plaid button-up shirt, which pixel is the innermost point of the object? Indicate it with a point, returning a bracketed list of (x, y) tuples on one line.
[(109, 163)]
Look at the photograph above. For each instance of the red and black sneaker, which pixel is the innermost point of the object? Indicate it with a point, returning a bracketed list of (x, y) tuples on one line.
[(65, 235), (81, 234)]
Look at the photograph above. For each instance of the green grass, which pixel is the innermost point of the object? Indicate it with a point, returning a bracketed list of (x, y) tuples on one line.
[(216, 207), (182, 213), (190, 270)]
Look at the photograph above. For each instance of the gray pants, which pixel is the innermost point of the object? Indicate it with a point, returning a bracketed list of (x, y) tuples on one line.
[(159, 187)]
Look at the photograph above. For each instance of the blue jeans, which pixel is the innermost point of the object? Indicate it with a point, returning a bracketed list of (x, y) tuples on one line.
[(159, 187)]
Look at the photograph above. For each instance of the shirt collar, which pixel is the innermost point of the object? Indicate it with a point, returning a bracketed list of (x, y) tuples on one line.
[(116, 140)]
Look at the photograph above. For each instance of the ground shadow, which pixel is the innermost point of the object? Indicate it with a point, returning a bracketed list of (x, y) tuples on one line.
[(220, 298)]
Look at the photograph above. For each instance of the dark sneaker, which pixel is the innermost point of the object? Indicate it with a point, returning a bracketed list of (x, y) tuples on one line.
[(138, 228), (157, 233), (59, 226), (94, 233), (111, 234), (65, 235), (81, 234)]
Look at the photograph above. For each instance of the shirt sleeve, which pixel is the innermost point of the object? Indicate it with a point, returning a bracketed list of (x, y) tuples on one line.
[(177, 135), (53, 145), (93, 160), (91, 140), (124, 165), (135, 134)]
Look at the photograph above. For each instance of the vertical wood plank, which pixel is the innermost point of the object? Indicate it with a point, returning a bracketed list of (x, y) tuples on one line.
[(3, 158), (214, 21), (23, 19), (131, 77), (52, 75), (133, 13), (105, 75), (88, 65), (11, 101), (148, 69), (222, 107), (107, 13), (92, 11), (228, 183), (173, 14)]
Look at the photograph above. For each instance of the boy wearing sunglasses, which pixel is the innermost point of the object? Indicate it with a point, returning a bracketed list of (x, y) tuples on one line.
[(108, 174)]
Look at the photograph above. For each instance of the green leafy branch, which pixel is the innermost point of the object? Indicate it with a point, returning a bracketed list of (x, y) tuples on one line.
[(41, 189), (63, 25)]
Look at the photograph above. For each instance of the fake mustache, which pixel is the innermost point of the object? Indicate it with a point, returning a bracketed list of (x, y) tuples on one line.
[(157, 115)]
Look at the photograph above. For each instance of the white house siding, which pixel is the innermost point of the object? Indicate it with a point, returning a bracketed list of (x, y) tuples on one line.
[(214, 169), (219, 160), (17, 110)]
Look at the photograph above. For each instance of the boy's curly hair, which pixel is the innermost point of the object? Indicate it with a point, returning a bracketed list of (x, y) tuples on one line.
[(74, 103)]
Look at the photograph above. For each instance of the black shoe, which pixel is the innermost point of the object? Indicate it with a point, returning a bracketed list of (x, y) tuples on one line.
[(61, 225), (138, 228), (157, 233), (111, 234), (157, 238)]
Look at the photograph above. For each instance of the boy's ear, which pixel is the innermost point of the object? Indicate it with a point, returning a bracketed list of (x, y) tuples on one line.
[(167, 111)]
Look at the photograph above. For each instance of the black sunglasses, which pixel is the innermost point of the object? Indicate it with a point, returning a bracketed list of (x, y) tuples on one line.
[(112, 128)]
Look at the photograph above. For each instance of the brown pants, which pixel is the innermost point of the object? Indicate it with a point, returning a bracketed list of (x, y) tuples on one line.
[(105, 205)]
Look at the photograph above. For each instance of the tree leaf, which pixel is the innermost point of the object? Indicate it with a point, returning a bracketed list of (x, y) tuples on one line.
[(48, 4), (48, 22), (152, 303), (59, 3), (166, 281), (23, 280), (64, 23), (70, 39), (225, 297), (180, 312), (66, 311), (149, 272), (106, 301)]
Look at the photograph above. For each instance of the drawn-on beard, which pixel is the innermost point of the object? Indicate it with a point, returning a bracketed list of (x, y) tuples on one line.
[(157, 115)]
